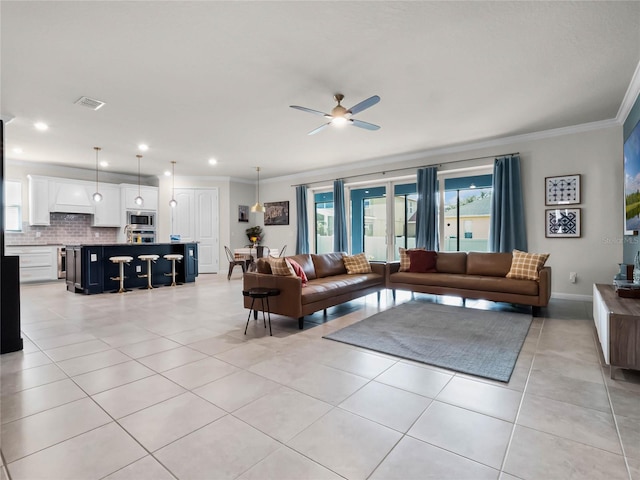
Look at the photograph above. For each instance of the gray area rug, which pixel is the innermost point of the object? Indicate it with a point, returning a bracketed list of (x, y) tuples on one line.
[(478, 342)]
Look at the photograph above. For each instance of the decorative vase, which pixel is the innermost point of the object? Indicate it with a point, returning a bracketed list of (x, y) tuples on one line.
[(636, 268)]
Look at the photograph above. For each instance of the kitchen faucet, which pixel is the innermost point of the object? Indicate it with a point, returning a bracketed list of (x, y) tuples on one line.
[(128, 233)]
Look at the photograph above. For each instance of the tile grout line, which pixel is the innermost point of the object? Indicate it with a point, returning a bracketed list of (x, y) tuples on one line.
[(524, 390), (613, 414)]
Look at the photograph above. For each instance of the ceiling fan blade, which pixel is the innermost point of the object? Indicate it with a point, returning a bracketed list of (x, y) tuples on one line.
[(369, 102), (319, 129), (365, 125), (315, 112)]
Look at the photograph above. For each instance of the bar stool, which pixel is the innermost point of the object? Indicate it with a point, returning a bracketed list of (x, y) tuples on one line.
[(121, 260), (173, 257), (148, 258)]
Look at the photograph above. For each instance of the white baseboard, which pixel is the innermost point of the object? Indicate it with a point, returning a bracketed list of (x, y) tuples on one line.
[(572, 296)]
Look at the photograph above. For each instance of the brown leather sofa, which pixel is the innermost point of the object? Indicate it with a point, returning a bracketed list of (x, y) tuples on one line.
[(476, 275), (329, 285)]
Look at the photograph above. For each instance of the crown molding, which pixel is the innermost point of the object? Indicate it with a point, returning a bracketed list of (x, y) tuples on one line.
[(633, 91), (423, 155)]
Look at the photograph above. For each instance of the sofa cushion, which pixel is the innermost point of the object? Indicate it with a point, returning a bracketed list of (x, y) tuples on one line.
[(356, 263), (525, 266), (281, 267), (328, 264), (299, 271), (490, 264), (422, 261), (328, 287), (468, 282), (451, 262), (263, 266), (405, 261), (304, 260)]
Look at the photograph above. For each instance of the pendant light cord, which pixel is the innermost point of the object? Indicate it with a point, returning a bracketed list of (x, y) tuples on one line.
[(139, 157), (97, 149)]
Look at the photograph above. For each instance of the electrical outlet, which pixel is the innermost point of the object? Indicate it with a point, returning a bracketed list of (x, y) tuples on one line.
[(138, 268), (97, 234), (573, 277), (38, 234)]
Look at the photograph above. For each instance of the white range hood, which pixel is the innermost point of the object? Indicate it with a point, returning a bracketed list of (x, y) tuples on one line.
[(70, 197)]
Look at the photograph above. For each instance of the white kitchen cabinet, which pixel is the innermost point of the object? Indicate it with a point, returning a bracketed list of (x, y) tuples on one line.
[(39, 200), (70, 196), (108, 211), (148, 194), (37, 263)]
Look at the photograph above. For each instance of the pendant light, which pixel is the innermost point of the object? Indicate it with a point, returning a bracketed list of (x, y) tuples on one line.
[(97, 197), (172, 202), (258, 207), (139, 201)]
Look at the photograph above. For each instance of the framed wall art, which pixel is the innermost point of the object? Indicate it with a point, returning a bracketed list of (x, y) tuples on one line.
[(243, 213), (276, 213), (562, 222), (564, 190)]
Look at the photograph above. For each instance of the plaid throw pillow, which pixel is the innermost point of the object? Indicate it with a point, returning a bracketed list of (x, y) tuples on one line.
[(405, 260), (525, 266), (356, 263), (280, 266)]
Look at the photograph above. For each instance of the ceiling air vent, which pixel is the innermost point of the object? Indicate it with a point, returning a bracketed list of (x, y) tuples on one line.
[(89, 102)]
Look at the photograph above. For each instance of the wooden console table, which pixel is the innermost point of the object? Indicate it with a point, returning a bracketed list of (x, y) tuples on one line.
[(618, 324)]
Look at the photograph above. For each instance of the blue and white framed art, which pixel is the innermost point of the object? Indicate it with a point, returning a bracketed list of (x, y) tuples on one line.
[(563, 190), (562, 222)]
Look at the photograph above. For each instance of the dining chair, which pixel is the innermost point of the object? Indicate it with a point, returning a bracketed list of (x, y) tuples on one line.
[(234, 261)]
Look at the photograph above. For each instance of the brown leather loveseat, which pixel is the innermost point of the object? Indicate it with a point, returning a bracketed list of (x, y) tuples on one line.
[(476, 275), (328, 284)]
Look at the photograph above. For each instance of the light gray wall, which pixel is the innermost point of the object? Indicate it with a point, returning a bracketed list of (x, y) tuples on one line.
[(595, 154)]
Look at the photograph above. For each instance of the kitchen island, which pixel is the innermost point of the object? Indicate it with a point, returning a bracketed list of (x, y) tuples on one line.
[(90, 271)]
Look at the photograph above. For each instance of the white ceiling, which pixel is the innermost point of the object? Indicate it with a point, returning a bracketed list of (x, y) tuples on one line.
[(196, 80)]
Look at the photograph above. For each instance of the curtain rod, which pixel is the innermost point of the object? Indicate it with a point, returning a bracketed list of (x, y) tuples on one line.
[(383, 172)]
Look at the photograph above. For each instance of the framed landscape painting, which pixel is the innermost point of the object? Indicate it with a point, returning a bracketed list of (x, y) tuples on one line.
[(562, 222), (276, 213)]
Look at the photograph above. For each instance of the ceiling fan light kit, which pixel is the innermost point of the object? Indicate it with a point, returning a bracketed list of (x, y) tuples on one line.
[(341, 116)]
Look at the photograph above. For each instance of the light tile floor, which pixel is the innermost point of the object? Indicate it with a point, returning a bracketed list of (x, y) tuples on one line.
[(164, 384)]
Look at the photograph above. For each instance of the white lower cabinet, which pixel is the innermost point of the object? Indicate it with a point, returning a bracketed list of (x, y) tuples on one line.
[(37, 263)]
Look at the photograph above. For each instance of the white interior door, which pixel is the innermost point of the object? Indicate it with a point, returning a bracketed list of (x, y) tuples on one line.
[(184, 215), (206, 229)]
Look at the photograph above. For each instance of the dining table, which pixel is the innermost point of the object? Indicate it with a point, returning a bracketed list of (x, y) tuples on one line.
[(251, 253)]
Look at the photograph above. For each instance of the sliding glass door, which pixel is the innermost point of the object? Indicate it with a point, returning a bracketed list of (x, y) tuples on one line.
[(405, 202), (369, 222), (323, 208), (466, 211)]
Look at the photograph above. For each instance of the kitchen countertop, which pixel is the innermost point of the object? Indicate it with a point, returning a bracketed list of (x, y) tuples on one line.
[(124, 244)]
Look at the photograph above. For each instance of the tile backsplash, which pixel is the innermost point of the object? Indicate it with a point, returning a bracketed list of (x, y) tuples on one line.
[(65, 229)]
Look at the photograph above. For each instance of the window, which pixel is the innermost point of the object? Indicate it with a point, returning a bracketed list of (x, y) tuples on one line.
[(13, 206)]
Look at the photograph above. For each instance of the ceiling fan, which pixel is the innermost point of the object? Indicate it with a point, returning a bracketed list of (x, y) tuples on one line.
[(341, 116)]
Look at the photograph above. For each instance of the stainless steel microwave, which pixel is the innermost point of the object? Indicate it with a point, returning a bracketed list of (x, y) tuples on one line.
[(142, 219)]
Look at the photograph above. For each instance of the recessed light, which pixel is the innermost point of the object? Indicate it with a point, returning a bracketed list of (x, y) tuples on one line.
[(212, 161), (17, 150), (143, 147), (104, 164), (167, 173), (41, 126)]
